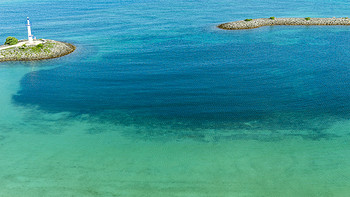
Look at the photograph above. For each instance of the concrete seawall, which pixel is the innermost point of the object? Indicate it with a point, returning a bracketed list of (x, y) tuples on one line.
[(255, 23)]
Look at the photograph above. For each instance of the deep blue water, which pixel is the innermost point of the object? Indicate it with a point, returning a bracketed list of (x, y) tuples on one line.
[(161, 60)]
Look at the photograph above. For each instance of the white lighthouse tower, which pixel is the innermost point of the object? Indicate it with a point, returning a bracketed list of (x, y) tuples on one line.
[(30, 36)]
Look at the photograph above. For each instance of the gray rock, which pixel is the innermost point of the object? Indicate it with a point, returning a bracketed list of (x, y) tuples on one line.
[(51, 49), (255, 23)]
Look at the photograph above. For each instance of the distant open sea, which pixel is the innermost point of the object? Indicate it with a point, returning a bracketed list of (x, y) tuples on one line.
[(157, 101)]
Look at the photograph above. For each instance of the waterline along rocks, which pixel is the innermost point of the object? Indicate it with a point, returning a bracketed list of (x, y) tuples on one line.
[(255, 23), (36, 50)]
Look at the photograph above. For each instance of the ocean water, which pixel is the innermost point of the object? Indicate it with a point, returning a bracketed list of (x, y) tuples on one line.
[(157, 101)]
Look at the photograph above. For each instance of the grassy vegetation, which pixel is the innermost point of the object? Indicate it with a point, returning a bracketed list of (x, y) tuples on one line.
[(27, 51), (37, 48), (23, 46), (11, 40), (272, 18), (248, 19), (307, 18)]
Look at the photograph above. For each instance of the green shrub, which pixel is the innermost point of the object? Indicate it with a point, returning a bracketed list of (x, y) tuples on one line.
[(39, 46), (272, 18), (248, 19), (346, 17), (307, 18), (11, 40), (23, 46)]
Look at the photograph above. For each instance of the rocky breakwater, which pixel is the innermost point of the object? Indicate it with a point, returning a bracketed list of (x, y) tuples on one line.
[(38, 50), (255, 23)]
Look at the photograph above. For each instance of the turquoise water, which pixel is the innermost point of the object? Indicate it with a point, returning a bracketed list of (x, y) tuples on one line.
[(156, 101)]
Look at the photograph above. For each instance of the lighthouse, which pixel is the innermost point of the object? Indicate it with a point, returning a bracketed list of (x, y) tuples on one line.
[(30, 36)]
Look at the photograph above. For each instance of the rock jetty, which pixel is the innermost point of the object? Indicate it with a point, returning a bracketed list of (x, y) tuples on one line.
[(255, 23), (40, 49)]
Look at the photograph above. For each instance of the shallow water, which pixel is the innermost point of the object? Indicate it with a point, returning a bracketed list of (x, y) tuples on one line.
[(157, 101)]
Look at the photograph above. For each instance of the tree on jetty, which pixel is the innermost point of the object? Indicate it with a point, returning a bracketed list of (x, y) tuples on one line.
[(11, 40)]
